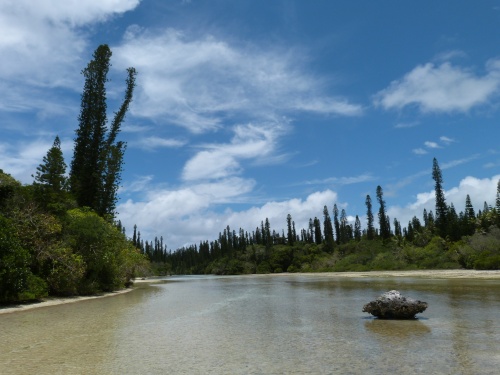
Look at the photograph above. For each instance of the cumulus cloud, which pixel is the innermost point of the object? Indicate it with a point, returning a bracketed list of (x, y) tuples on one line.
[(187, 216), (441, 88), (200, 83), (251, 141)]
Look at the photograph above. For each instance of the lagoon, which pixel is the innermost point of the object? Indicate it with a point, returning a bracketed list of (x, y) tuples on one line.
[(260, 324)]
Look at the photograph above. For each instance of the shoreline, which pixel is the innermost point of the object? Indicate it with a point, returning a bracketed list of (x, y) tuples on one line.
[(54, 301), (425, 274)]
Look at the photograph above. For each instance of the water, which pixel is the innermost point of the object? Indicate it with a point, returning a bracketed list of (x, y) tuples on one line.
[(260, 325)]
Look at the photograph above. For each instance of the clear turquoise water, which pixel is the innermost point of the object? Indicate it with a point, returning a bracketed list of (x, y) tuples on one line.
[(260, 325)]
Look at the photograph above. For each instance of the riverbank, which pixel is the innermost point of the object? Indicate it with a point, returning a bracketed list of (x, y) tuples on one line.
[(427, 274), (53, 301)]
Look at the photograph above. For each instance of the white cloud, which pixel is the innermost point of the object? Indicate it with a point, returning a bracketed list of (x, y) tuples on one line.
[(199, 83), (446, 140), (252, 141), (188, 215), (441, 88), (419, 151), (405, 125), (430, 144), (154, 142), (341, 180), (42, 43)]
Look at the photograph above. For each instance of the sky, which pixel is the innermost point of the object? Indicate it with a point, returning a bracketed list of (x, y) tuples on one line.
[(253, 109)]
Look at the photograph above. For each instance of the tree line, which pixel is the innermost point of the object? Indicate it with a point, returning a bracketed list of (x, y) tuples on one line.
[(440, 239)]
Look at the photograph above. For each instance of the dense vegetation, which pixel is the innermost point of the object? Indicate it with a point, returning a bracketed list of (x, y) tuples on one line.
[(58, 236), (437, 241)]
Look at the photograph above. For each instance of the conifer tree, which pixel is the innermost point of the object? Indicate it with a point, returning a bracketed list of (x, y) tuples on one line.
[(328, 230), (497, 203), (290, 236), (51, 173), (384, 224), (336, 223), (370, 229), (357, 229), (98, 158), (441, 219), (317, 231)]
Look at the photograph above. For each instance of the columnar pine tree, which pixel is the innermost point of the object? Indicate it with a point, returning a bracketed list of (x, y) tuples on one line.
[(497, 203), (370, 229), (318, 238), (336, 223), (328, 230), (357, 229), (469, 224), (441, 219), (384, 225), (290, 235), (98, 158)]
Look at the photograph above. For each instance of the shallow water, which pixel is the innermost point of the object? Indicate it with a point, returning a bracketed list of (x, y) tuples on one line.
[(260, 325)]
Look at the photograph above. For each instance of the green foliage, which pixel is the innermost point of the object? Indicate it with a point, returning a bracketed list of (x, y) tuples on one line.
[(108, 256), (17, 282), (8, 185), (480, 251)]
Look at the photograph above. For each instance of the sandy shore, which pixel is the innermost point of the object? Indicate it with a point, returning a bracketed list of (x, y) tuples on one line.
[(427, 274)]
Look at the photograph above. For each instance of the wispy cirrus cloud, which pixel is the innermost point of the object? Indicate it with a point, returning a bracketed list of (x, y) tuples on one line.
[(152, 143), (199, 83), (442, 88), (340, 181)]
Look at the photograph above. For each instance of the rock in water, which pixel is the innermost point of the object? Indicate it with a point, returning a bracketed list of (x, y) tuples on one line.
[(392, 305)]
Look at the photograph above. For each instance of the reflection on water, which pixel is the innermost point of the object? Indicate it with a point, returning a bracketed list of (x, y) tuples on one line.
[(260, 325), (401, 329)]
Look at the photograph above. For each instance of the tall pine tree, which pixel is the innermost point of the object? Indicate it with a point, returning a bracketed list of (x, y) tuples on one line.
[(98, 158), (441, 219), (384, 224), (370, 229)]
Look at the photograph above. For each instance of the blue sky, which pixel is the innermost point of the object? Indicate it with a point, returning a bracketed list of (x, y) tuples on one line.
[(246, 110)]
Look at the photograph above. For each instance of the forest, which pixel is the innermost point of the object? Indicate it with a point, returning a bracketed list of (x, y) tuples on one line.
[(59, 235)]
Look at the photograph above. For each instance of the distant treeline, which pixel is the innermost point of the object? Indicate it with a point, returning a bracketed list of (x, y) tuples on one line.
[(441, 239)]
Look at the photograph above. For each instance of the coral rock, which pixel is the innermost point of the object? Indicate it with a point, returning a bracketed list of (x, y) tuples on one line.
[(392, 305)]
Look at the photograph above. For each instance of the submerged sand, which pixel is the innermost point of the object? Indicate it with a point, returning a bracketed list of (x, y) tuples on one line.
[(427, 274)]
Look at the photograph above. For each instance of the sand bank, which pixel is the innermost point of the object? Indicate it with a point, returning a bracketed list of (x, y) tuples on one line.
[(428, 274)]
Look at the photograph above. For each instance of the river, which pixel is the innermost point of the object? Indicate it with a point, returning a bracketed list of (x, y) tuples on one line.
[(288, 324)]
